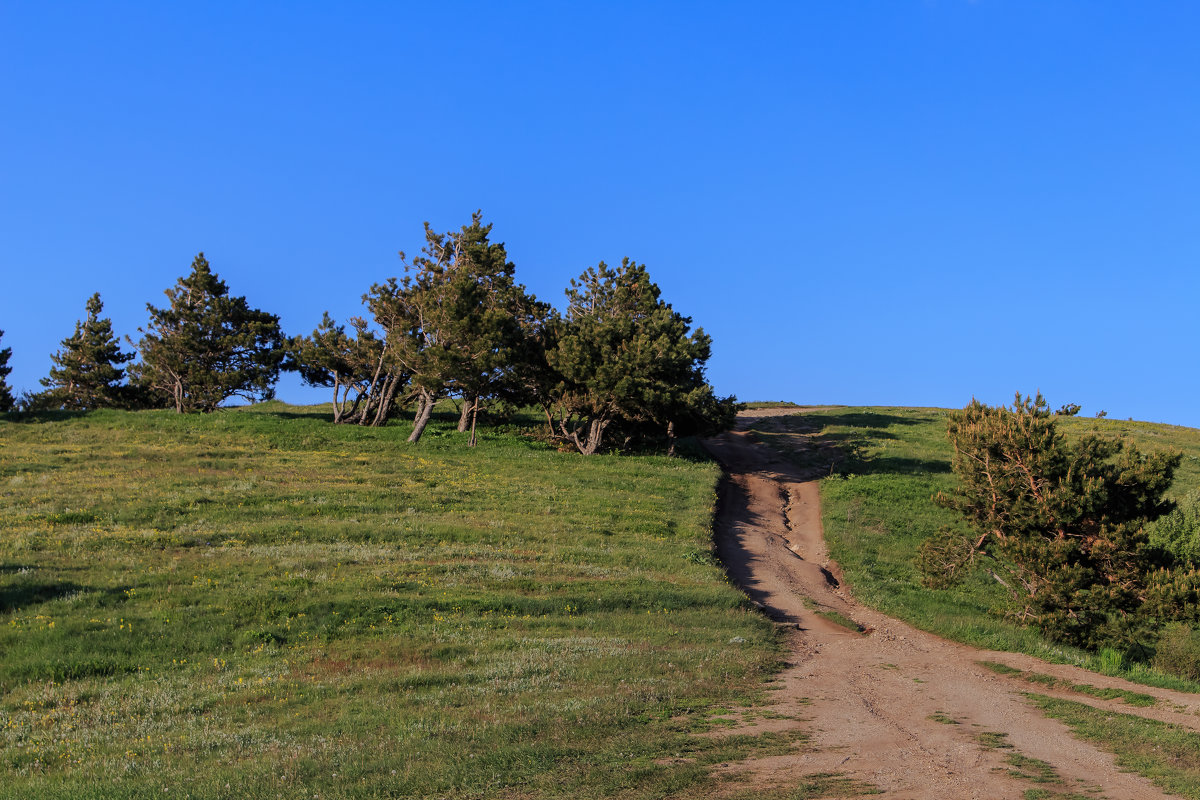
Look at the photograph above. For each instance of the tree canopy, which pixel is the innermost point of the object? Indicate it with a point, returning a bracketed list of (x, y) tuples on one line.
[(1062, 524), (6, 396), (353, 366), (618, 368), (626, 358), (453, 321), (87, 371), (207, 346)]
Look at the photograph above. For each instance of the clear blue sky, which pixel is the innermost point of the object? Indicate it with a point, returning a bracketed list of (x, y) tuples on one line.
[(906, 202)]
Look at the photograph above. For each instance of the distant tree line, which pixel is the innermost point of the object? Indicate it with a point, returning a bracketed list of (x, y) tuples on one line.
[(618, 367)]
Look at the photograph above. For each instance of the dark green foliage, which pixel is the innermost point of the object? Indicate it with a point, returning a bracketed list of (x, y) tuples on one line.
[(1179, 532), (208, 346), (457, 321), (363, 391), (620, 365), (498, 325), (87, 372), (1061, 525), (627, 360), (6, 396)]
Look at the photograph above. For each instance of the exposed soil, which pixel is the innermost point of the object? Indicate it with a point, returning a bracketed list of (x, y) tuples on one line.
[(870, 702)]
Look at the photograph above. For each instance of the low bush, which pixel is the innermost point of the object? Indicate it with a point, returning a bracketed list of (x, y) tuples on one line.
[(1179, 652)]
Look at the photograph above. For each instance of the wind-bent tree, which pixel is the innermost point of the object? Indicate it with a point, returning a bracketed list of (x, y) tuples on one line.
[(88, 372), (626, 358), (364, 390), (208, 346), (498, 329), (1062, 525), (452, 323), (6, 396)]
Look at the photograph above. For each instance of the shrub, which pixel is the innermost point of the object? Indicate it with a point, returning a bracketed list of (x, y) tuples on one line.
[(1179, 652), (1060, 524)]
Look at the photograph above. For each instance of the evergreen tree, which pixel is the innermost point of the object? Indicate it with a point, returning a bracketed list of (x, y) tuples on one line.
[(87, 372), (207, 346), (626, 358), (6, 396), (1062, 525), (363, 391), (497, 319), (453, 322)]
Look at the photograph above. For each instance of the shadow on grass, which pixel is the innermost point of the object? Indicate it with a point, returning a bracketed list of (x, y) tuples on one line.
[(312, 416), (838, 444), (22, 596), (42, 416)]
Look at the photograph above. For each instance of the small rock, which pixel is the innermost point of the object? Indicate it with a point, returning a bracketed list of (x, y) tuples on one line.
[(737, 640)]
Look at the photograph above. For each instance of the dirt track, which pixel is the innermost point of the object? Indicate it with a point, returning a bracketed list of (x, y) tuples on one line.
[(868, 702)]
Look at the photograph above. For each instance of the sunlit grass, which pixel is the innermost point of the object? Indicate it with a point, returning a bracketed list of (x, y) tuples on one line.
[(1166, 754), (881, 468), (258, 603)]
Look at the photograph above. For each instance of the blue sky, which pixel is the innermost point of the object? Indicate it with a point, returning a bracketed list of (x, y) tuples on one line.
[(906, 202)]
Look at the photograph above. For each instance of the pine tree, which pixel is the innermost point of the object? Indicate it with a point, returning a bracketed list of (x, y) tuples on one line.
[(207, 346), (88, 372), (6, 396), (453, 322), (1062, 525), (626, 358), (353, 367)]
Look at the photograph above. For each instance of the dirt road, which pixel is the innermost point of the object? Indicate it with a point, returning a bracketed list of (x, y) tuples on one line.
[(898, 709)]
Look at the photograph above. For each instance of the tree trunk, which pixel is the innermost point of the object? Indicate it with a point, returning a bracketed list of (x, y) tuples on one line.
[(425, 404), (364, 416), (591, 443), (372, 395), (474, 414), (467, 409), (671, 438), (350, 410), (385, 405)]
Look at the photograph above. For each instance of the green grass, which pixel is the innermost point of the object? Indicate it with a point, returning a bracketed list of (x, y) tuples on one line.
[(1031, 769), (817, 786), (1130, 698), (1166, 754), (838, 618), (257, 603), (1034, 770), (881, 467), (832, 615)]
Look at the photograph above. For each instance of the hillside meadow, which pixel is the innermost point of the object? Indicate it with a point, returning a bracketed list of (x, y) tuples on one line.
[(258, 603), (879, 470)]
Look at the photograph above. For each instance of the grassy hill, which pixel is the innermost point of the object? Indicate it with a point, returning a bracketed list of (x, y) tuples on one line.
[(880, 467), (258, 603)]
